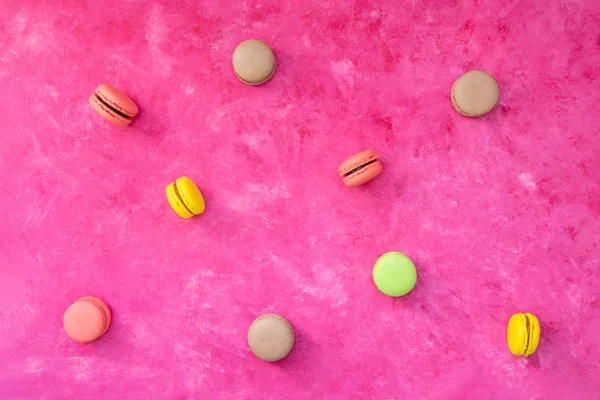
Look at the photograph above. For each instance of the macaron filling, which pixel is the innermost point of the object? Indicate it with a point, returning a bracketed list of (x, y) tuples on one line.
[(257, 83), (528, 329), (181, 198), (360, 167), (113, 109)]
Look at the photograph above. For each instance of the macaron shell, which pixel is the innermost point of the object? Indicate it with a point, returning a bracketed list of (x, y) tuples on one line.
[(356, 161), (176, 204), (516, 334), (253, 62), (117, 99), (87, 319), (191, 195), (534, 334), (475, 93), (363, 175), (394, 274), (271, 337), (107, 113)]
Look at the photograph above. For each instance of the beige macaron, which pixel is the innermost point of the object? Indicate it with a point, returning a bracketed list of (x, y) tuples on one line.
[(253, 62), (270, 337), (475, 93)]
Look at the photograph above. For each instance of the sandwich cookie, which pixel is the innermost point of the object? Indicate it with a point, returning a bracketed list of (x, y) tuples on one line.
[(87, 319), (360, 168), (113, 105), (185, 198), (253, 62)]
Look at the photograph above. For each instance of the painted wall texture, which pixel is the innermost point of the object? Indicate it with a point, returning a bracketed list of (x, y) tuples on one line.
[(500, 214)]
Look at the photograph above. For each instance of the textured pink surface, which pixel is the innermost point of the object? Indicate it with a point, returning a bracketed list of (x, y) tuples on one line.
[(500, 214)]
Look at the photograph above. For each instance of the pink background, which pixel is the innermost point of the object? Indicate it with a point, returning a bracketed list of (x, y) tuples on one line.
[(501, 214)]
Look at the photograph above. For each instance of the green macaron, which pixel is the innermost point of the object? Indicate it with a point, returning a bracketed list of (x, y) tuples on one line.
[(394, 274)]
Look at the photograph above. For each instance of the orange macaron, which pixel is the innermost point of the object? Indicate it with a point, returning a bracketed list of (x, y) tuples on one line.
[(87, 319), (360, 168), (113, 105)]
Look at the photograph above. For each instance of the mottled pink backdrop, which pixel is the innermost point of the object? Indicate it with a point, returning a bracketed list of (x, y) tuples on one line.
[(500, 214)]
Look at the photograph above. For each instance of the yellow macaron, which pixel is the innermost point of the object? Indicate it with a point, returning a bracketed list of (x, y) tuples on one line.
[(523, 334), (185, 198)]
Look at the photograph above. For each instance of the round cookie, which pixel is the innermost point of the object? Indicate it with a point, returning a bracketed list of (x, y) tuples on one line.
[(253, 62), (475, 93), (87, 319), (270, 337), (394, 274)]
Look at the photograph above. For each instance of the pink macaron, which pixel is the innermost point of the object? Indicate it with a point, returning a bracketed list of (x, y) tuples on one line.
[(360, 168), (87, 319), (113, 105)]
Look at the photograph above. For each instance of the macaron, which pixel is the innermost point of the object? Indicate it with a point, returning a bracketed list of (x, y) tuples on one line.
[(253, 62), (185, 198), (113, 105), (360, 168), (523, 334), (270, 337), (475, 93), (394, 274), (87, 319)]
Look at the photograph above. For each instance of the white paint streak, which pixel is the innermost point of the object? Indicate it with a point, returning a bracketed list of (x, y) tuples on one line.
[(343, 68), (38, 215), (283, 112), (33, 37), (20, 22), (189, 90), (156, 34), (34, 366), (329, 286), (196, 280), (257, 195), (343, 73), (270, 193), (214, 119), (526, 179), (34, 41), (254, 142), (306, 41), (81, 367), (427, 225)]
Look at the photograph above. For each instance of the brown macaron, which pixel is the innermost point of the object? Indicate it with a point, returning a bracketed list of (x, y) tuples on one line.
[(270, 337), (475, 93), (253, 62)]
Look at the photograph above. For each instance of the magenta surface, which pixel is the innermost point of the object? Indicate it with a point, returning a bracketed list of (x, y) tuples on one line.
[(500, 214)]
